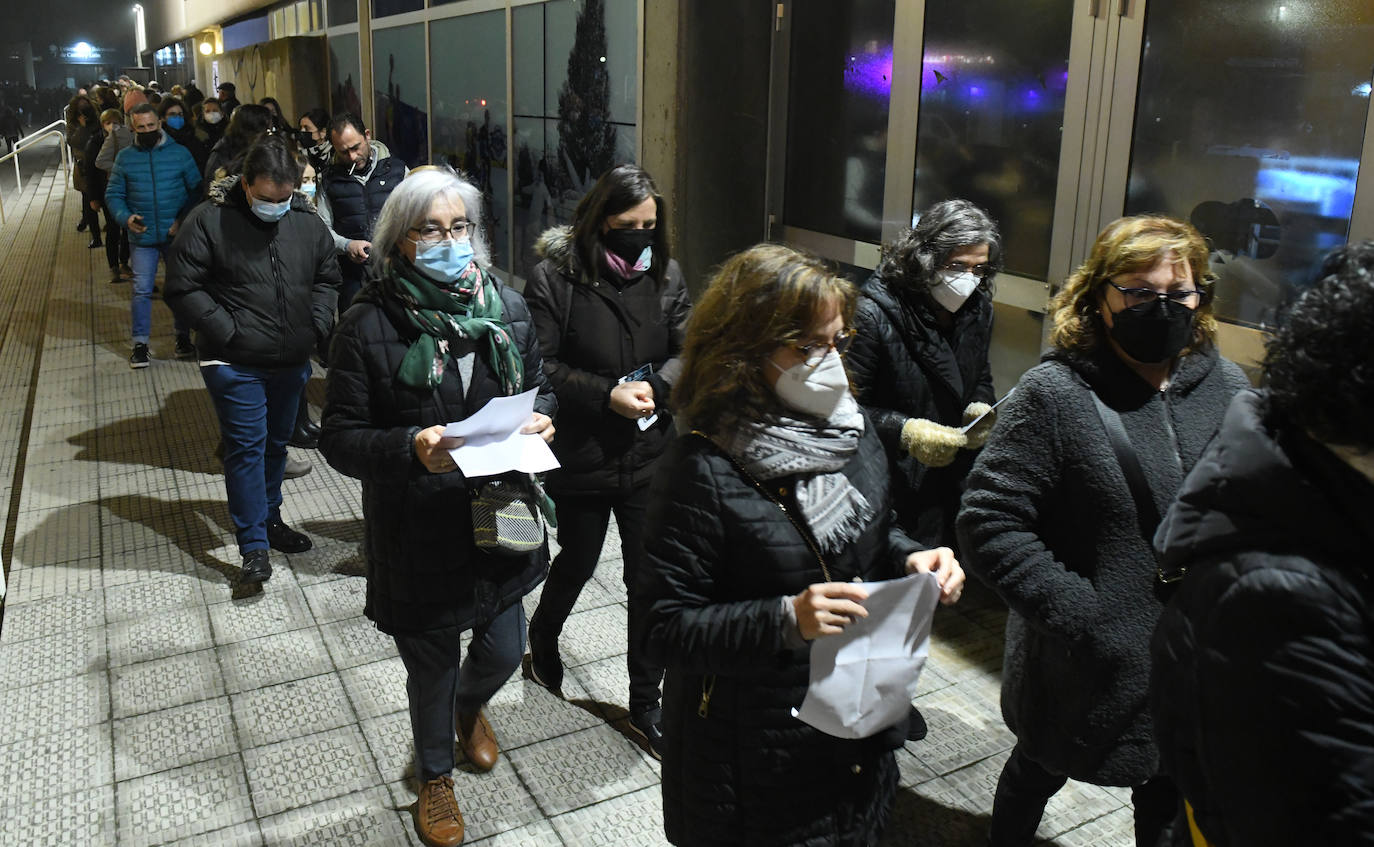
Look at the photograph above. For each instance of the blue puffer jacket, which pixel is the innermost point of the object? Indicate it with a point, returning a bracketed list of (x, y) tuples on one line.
[(161, 184)]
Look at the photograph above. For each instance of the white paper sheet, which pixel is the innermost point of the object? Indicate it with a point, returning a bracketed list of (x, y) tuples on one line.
[(863, 679), (493, 443)]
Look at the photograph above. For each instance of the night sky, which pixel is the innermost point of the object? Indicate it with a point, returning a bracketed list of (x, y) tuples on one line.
[(65, 22)]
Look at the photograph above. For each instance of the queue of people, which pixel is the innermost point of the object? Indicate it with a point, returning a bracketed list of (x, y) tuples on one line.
[(1179, 554)]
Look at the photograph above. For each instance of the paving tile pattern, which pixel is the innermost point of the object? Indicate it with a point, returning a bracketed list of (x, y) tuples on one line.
[(150, 699)]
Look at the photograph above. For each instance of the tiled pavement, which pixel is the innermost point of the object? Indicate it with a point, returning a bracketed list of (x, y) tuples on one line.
[(146, 700)]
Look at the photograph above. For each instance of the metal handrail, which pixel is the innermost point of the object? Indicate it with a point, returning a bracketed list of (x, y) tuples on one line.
[(28, 141)]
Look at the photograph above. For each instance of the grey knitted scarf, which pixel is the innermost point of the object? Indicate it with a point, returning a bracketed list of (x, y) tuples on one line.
[(783, 446)]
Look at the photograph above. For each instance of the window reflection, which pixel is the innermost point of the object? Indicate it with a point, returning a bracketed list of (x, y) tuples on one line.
[(345, 71), (399, 90)]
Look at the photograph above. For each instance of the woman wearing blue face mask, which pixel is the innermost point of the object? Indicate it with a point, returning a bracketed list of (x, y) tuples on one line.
[(252, 270), (759, 523), (431, 341), (178, 125), (610, 304)]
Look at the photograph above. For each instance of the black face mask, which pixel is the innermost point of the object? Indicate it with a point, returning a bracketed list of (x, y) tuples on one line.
[(1153, 332), (627, 243), (305, 139), (147, 140)]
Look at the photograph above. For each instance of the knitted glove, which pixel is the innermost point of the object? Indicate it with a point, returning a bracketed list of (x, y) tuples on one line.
[(978, 435), (931, 443)]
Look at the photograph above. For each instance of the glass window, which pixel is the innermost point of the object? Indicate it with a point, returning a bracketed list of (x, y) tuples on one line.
[(342, 12), (382, 8), (839, 85), (345, 74), (399, 91), (992, 109), (468, 69), (1249, 123), (576, 87)]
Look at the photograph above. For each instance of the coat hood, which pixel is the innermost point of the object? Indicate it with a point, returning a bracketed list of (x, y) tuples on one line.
[(556, 245), (1263, 485), (225, 191)]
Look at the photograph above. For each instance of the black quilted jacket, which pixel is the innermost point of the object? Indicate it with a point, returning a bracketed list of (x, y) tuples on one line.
[(1263, 683), (720, 557), (422, 566), (1049, 522), (904, 366)]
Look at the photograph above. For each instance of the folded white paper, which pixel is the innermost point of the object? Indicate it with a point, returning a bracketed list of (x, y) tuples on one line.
[(863, 679), (493, 443)]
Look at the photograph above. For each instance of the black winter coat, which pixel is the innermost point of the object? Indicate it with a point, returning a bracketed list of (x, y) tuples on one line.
[(593, 332), (904, 365), (720, 556), (1049, 522), (95, 178), (355, 206), (423, 569), (256, 293), (1263, 689)]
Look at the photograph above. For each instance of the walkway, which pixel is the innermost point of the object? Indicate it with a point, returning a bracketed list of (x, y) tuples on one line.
[(145, 703)]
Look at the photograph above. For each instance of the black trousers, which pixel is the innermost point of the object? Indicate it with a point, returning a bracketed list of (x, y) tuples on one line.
[(116, 240), (437, 685), (582, 524), (1025, 788)]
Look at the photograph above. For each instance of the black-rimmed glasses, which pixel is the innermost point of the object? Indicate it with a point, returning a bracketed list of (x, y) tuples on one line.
[(1191, 297), (841, 342), (433, 233)]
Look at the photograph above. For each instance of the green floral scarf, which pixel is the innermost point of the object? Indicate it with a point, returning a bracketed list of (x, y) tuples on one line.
[(467, 308)]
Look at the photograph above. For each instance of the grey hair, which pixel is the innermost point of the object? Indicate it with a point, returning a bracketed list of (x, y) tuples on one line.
[(912, 258), (409, 203)]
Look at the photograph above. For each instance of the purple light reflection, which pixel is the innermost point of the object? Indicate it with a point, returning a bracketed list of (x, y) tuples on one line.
[(870, 74)]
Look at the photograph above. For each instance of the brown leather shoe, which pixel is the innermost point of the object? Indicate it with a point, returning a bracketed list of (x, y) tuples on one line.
[(437, 819), (477, 741)]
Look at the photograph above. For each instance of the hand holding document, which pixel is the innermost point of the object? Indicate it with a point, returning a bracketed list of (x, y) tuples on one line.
[(493, 443), (863, 679)]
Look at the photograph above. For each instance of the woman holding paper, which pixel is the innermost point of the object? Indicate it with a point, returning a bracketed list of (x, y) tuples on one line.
[(760, 522), (609, 305), (429, 343)]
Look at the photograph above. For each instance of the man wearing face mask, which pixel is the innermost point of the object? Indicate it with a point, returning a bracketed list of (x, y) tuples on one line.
[(153, 184), (256, 241)]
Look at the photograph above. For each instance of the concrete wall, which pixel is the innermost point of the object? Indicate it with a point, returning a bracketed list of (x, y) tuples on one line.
[(287, 69)]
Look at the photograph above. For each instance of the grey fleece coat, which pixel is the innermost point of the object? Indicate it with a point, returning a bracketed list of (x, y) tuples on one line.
[(1048, 521)]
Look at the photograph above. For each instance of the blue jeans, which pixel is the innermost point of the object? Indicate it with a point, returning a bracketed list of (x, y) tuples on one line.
[(143, 261), (257, 412)]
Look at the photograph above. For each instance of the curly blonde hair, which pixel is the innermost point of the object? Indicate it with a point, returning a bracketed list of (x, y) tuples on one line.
[(1125, 245), (757, 301)]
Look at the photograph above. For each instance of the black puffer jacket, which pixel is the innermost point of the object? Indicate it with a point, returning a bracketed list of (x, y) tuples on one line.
[(593, 332), (422, 566), (256, 293), (1263, 689), (903, 366), (720, 556), (1049, 522)]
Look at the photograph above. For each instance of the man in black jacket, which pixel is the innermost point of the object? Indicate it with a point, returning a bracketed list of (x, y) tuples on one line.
[(1263, 664), (253, 272)]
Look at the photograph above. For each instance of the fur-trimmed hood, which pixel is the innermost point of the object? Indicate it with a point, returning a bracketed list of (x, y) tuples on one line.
[(224, 191), (556, 245)]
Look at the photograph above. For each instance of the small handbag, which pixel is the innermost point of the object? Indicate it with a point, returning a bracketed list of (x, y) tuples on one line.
[(506, 515)]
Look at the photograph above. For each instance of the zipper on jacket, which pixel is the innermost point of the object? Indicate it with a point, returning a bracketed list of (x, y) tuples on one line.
[(281, 290), (152, 172), (708, 687), (1173, 434)]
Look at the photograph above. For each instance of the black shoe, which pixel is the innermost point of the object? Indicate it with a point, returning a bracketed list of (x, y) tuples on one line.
[(648, 724), (126, 270), (303, 439), (115, 278), (256, 567), (284, 538), (185, 349), (311, 427), (81, 227), (916, 728), (139, 358), (94, 243), (546, 666)]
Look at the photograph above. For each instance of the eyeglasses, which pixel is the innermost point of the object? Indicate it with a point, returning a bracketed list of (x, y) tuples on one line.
[(433, 233), (980, 271), (841, 342), (1191, 297)]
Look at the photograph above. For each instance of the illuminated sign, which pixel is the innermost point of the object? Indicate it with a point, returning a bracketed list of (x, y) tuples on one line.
[(83, 53)]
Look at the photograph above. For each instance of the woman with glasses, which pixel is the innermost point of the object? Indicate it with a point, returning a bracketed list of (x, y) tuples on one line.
[(609, 304), (761, 521), (1062, 507), (429, 342)]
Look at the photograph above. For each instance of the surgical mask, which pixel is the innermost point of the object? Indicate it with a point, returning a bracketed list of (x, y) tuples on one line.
[(634, 246), (271, 212), (813, 388), (176, 121), (445, 261), (1153, 332), (214, 117), (952, 288), (147, 140), (309, 189)]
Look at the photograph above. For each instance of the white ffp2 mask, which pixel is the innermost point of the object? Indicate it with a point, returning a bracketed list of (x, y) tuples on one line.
[(952, 288), (814, 391)]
